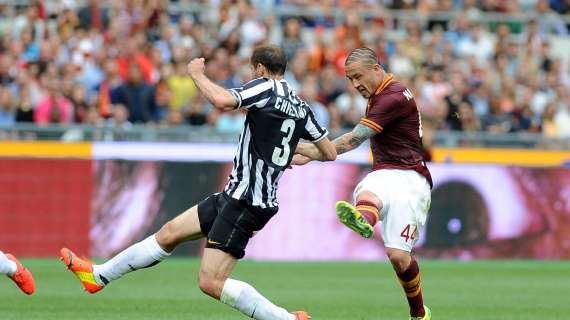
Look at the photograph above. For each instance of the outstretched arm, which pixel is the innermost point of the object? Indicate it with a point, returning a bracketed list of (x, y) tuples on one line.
[(344, 143), (216, 95)]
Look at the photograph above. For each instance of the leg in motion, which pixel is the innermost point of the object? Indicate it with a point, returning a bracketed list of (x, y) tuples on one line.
[(364, 216), (144, 254), (214, 281), (408, 272), (22, 277)]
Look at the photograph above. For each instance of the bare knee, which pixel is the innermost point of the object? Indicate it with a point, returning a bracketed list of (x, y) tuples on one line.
[(210, 284), (167, 237), (400, 259)]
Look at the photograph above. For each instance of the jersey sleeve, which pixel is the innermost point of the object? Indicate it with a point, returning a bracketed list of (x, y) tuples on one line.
[(254, 94), (382, 113), (313, 131)]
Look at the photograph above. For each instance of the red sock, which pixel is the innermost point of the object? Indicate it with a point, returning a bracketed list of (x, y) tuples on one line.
[(412, 283), (369, 211)]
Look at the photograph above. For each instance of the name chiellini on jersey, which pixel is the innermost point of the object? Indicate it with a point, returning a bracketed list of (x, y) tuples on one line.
[(276, 120)]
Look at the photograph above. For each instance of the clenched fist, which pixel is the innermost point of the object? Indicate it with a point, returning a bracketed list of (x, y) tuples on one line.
[(196, 67)]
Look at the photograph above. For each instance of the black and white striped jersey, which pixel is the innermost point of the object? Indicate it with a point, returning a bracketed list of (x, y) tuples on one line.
[(276, 120)]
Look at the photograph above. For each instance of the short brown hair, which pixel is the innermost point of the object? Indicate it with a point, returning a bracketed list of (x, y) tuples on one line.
[(271, 56)]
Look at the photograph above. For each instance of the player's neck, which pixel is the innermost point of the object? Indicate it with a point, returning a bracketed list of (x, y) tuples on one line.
[(380, 82), (268, 75), (385, 77)]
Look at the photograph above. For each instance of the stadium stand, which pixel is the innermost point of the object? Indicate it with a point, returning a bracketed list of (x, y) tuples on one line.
[(78, 70)]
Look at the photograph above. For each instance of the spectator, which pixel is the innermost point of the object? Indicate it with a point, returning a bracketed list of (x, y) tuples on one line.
[(478, 99), (459, 34), (409, 46), (497, 121), (89, 73), (108, 88), (7, 114), (197, 111), (92, 16), (452, 67), (561, 6), (6, 70), (232, 42), (174, 118), (31, 49), (562, 116), (79, 100), (252, 31), (54, 108), (468, 119), (549, 20), (24, 110), (309, 93), (549, 127), (401, 64), (120, 119), (351, 106), (330, 88), (137, 96), (162, 99), (292, 41), (525, 120), (454, 101), (478, 44), (230, 122), (435, 89), (181, 86)]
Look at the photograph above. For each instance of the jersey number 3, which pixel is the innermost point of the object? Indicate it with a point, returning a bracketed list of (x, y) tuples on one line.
[(281, 153)]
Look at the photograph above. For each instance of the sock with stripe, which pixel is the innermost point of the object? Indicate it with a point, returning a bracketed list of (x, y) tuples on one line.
[(7, 266), (144, 254), (243, 297), (369, 211), (411, 281)]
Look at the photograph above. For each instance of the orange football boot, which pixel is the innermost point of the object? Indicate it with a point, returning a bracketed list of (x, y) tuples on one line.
[(23, 277), (82, 269), (301, 315)]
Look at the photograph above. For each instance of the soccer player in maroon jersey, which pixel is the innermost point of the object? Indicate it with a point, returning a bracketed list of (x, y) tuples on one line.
[(398, 190)]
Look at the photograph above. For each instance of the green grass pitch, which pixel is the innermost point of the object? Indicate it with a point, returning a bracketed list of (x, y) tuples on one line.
[(329, 291)]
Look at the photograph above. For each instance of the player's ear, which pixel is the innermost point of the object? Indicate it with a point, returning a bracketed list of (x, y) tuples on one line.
[(259, 69)]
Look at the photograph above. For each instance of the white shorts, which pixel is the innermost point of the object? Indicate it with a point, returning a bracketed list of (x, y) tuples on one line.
[(406, 197)]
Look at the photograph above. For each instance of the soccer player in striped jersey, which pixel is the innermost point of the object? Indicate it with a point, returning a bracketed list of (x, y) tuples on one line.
[(398, 190), (276, 120), (23, 278)]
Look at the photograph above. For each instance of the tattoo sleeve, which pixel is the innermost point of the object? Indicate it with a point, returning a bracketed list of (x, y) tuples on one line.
[(353, 139)]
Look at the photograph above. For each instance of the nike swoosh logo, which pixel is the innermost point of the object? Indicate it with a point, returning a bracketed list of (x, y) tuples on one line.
[(212, 242)]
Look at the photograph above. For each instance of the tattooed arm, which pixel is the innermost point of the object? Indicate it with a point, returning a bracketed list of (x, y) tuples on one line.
[(353, 139), (344, 143)]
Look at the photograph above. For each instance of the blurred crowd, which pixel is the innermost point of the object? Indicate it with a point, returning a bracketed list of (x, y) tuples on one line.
[(429, 6), (118, 63)]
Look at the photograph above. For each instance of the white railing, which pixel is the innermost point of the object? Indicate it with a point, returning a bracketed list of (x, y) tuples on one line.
[(208, 134)]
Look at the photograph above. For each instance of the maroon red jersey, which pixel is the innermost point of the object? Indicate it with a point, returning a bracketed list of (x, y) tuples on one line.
[(392, 112)]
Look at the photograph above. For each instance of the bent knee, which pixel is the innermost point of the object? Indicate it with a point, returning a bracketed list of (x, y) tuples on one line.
[(168, 235), (400, 260), (210, 285)]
